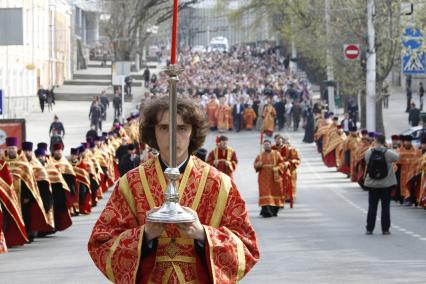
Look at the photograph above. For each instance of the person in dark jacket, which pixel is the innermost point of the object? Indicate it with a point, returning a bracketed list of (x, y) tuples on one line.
[(56, 127), (379, 189), (237, 114), (309, 123), (105, 103), (146, 77), (129, 161), (117, 104), (280, 109), (347, 123), (297, 114), (414, 115), (42, 97), (95, 115)]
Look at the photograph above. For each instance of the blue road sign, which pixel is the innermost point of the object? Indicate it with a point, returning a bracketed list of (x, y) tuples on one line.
[(413, 52), (1, 102)]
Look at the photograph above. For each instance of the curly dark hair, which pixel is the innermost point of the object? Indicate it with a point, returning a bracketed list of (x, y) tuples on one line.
[(187, 109)]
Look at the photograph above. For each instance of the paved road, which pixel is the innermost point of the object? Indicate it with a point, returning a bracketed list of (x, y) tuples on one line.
[(321, 240)]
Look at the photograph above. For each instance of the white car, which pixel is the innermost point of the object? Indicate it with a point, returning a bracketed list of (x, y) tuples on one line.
[(415, 133), (198, 49)]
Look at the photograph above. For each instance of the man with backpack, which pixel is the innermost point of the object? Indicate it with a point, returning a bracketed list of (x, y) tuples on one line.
[(380, 178)]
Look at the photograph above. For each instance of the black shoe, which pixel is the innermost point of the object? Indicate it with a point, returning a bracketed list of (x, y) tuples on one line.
[(386, 233), (369, 232)]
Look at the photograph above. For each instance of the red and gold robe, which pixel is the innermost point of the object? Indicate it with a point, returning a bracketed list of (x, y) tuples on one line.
[(408, 160), (67, 171), (43, 183), (22, 173), (287, 178), (360, 161), (321, 130), (249, 116), (223, 114), (269, 114), (294, 160), (227, 160), (15, 234), (3, 245), (421, 199), (349, 147), (211, 109), (62, 215), (82, 183), (331, 141), (230, 248), (270, 179)]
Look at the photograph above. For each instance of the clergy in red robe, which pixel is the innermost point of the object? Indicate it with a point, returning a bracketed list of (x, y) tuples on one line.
[(82, 181), (270, 166), (223, 114), (408, 161), (223, 157), (283, 149), (249, 116), (211, 109), (269, 114), (26, 189), (12, 223), (67, 199), (219, 247), (42, 179)]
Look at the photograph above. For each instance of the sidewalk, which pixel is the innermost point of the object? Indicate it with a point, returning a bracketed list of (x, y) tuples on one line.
[(395, 118)]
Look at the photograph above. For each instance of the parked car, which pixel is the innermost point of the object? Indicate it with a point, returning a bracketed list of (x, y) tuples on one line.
[(415, 133), (198, 49)]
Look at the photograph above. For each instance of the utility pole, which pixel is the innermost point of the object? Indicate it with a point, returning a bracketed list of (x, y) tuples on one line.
[(330, 69), (293, 64), (371, 68)]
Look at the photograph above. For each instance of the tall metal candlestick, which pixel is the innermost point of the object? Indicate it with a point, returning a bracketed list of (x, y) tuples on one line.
[(171, 211), (174, 31)]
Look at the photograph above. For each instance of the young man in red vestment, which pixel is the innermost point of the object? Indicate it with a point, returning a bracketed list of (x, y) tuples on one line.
[(223, 157), (219, 247), (270, 166)]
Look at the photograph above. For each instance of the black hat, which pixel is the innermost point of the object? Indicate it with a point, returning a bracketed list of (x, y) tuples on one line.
[(74, 151), (27, 146)]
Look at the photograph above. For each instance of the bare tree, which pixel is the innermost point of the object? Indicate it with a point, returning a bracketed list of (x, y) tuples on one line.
[(129, 19)]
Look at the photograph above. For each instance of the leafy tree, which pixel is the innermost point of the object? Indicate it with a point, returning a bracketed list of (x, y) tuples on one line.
[(303, 21)]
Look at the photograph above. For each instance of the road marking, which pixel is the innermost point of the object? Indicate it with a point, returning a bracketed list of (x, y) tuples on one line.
[(350, 202)]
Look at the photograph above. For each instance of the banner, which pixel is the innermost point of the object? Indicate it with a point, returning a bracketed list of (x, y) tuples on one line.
[(12, 127)]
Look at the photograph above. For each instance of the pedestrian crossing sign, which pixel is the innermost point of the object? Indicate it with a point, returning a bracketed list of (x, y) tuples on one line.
[(413, 52)]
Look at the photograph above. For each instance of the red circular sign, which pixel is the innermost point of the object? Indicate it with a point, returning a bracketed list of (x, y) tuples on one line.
[(352, 51)]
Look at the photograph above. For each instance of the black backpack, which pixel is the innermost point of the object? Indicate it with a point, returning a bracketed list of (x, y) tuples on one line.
[(377, 167)]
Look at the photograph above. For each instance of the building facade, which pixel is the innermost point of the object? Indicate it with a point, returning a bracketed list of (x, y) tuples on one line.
[(52, 32), (24, 68)]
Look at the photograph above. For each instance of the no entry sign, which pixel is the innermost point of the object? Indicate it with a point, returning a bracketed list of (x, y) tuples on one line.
[(351, 51)]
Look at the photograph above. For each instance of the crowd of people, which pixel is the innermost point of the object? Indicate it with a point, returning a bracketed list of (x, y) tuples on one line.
[(350, 152), (246, 88), (41, 189)]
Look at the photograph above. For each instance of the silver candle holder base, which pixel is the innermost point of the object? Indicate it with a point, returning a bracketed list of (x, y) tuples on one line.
[(171, 212)]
